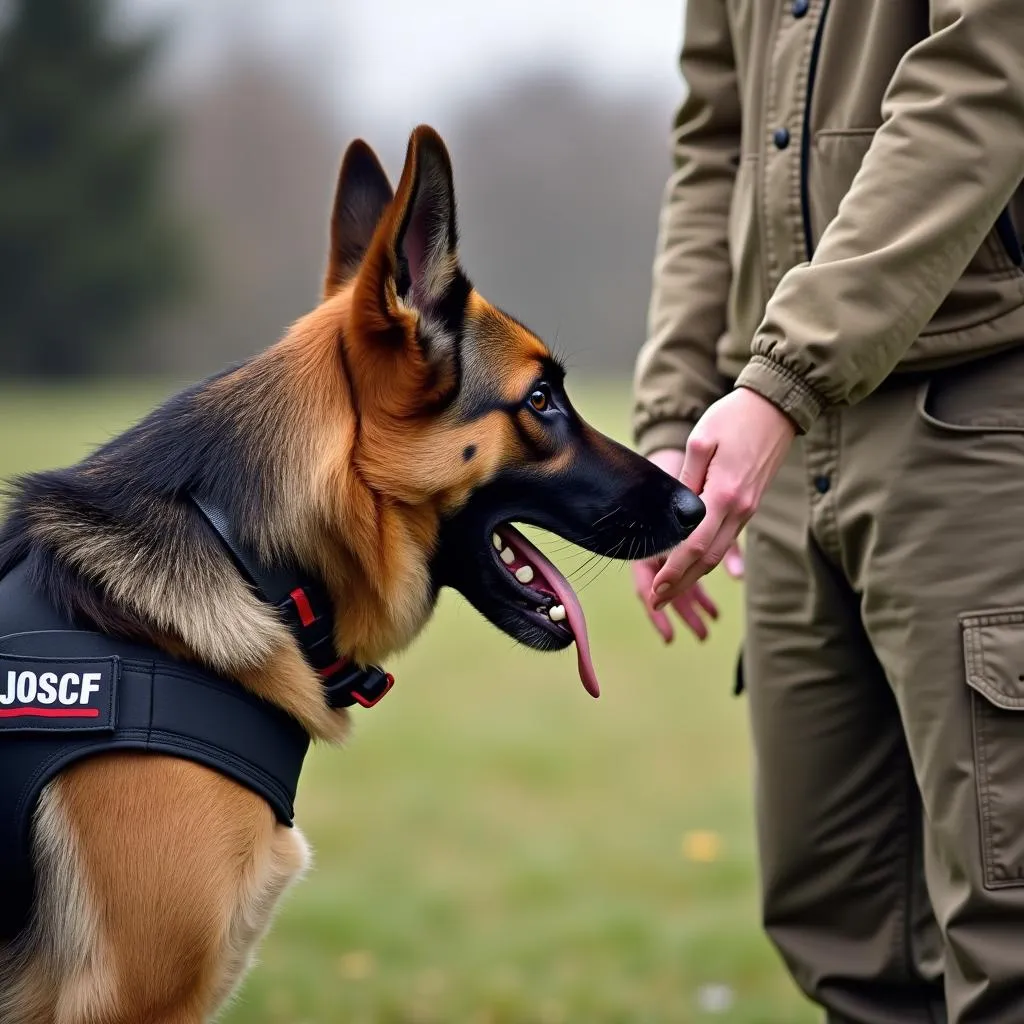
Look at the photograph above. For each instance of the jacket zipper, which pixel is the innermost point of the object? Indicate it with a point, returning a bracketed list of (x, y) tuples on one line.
[(1008, 236), (805, 138)]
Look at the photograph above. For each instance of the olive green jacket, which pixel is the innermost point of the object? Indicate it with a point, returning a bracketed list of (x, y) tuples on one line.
[(845, 203)]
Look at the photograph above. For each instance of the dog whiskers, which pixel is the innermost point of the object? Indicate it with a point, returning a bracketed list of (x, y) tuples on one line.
[(607, 515)]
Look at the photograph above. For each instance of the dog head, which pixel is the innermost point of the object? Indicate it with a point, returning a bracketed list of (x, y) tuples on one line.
[(385, 445), (463, 417)]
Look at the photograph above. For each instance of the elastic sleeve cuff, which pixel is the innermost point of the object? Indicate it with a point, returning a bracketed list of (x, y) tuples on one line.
[(783, 388), (663, 434)]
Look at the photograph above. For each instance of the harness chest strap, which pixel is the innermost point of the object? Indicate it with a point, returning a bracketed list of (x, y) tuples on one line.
[(306, 607)]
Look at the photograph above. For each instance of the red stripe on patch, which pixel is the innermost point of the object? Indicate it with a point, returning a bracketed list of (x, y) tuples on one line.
[(302, 605), (50, 712)]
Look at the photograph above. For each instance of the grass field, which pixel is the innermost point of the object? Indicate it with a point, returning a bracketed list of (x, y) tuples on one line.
[(494, 846)]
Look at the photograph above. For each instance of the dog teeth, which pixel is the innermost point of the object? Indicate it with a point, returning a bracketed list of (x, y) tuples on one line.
[(496, 541), (524, 573), (557, 613), (508, 556)]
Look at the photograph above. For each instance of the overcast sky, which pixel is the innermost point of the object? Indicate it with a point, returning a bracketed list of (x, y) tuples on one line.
[(402, 59)]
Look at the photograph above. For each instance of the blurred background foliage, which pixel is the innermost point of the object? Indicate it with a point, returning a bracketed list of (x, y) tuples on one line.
[(166, 170)]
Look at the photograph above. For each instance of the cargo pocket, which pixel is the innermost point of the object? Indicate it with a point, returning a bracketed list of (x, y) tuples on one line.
[(994, 660)]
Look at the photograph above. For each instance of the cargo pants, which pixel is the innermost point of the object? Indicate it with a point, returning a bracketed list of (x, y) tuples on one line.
[(884, 665)]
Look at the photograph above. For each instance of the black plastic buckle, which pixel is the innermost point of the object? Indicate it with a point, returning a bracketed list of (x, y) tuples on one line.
[(306, 607), (345, 683), (355, 685)]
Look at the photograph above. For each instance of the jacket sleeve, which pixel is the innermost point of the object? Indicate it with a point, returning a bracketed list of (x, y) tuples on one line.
[(675, 378), (945, 161)]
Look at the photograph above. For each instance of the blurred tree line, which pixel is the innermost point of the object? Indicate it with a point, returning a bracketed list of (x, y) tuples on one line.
[(126, 246), (88, 247)]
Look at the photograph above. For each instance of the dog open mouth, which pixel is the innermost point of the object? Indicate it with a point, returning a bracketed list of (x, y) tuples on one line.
[(617, 506), (546, 597)]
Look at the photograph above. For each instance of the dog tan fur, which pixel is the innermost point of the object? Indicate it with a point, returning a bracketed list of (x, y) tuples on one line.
[(155, 908)]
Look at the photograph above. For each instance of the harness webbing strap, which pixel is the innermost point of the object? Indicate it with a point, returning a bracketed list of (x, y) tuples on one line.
[(306, 607)]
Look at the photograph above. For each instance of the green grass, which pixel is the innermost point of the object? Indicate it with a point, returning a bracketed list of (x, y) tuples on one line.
[(493, 846)]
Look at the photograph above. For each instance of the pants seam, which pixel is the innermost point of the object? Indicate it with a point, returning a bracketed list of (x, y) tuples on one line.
[(981, 787), (901, 934), (836, 449), (975, 665), (912, 843), (829, 513), (821, 458)]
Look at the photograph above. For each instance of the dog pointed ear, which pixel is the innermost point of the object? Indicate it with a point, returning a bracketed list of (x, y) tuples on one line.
[(412, 264), (360, 199), (426, 237)]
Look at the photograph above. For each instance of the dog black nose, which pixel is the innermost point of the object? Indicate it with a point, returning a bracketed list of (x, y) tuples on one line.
[(687, 508)]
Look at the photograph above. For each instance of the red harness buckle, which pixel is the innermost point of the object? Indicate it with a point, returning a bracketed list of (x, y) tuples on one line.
[(374, 694), (344, 682)]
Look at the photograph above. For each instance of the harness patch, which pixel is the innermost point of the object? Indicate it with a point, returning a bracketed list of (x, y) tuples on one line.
[(58, 694)]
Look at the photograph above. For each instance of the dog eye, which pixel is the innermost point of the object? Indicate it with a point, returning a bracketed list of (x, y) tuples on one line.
[(541, 397)]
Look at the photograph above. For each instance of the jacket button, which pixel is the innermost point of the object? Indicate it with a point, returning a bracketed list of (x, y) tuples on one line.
[(822, 484), (781, 138), (799, 8)]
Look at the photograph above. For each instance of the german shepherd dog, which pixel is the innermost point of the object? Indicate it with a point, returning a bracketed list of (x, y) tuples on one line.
[(385, 444)]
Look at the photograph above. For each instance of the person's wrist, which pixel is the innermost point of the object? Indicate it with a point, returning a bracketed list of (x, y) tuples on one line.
[(783, 417)]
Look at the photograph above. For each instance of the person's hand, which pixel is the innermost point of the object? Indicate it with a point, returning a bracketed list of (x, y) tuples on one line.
[(735, 450), (694, 606)]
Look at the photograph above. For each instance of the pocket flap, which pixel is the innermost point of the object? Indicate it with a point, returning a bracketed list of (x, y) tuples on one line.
[(994, 655)]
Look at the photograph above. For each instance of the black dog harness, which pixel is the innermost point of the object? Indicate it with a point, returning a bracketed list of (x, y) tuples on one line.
[(67, 694)]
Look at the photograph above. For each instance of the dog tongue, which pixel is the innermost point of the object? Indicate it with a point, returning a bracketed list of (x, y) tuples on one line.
[(573, 609), (578, 624)]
